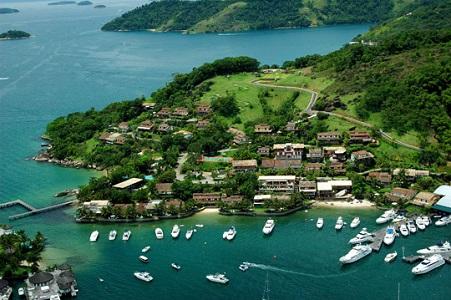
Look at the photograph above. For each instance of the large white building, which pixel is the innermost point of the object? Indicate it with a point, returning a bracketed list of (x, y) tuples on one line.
[(288, 151), (285, 184)]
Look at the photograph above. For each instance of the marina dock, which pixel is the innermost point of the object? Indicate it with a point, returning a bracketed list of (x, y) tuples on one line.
[(378, 239), (32, 210)]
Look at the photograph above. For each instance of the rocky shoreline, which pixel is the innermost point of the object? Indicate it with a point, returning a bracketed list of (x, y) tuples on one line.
[(46, 157)]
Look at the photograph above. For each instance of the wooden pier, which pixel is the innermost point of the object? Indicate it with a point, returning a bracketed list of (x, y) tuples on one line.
[(378, 239), (32, 210)]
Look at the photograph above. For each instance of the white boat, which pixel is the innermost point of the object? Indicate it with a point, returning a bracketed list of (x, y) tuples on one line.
[(440, 248), (355, 222), (390, 235), (420, 224), (175, 231), (144, 276), (94, 236), (126, 236), (144, 259), (443, 221), (390, 257), (357, 252), (269, 226), (159, 233), (112, 235), (428, 264), (145, 249), (386, 216), (231, 233), (21, 291), (362, 237), (176, 266), (404, 230), (339, 224), (217, 278), (243, 267), (200, 225), (189, 234), (320, 223), (426, 220), (412, 227), (399, 218)]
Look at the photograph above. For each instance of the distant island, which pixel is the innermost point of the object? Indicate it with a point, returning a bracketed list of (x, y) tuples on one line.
[(62, 3), (100, 6), (6, 10), (84, 3), (240, 15), (14, 35)]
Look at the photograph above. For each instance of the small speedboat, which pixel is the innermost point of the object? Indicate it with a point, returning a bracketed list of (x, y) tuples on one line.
[(386, 216), (390, 257), (217, 278), (229, 234), (443, 221), (428, 264), (126, 235), (144, 276), (320, 223), (112, 235), (199, 225), (269, 226), (404, 230), (355, 222), (176, 266), (357, 252), (420, 224), (440, 248), (175, 231), (426, 220), (21, 291), (94, 236), (145, 249), (243, 267), (189, 234), (159, 233), (390, 235), (339, 224), (144, 259), (412, 227)]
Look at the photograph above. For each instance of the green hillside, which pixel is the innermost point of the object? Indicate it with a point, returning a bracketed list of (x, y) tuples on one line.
[(239, 15)]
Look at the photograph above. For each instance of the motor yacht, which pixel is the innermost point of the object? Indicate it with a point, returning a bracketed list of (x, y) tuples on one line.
[(217, 278), (404, 230), (126, 236), (145, 249), (419, 223), (362, 237), (428, 264), (386, 216), (176, 266), (230, 234), (320, 223), (243, 267), (94, 236), (144, 276), (21, 291), (355, 222), (175, 231), (390, 257), (390, 235), (339, 224), (440, 248), (412, 227), (159, 233), (144, 259), (189, 234), (426, 220), (399, 218), (357, 252), (443, 221), (112, 235), (269, 226)]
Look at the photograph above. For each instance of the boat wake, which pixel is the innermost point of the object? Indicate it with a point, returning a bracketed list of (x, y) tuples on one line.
[(276, 269), (4, 78)]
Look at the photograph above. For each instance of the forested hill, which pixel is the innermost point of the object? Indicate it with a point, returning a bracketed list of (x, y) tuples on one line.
[(239, 15), (398, 75)]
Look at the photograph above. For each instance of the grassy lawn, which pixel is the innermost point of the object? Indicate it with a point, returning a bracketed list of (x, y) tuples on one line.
[(298, 79), (213, 166)]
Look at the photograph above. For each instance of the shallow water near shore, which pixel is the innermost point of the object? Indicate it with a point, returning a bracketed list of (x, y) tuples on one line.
[(69, 65)]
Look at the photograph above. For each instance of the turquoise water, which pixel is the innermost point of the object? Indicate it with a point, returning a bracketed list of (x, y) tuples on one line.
[(69, 65)]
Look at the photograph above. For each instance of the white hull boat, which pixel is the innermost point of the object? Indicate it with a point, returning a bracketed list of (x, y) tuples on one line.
[(320, 223), (144, 276), (175, 231), (176, 266), (443, 221), (244, 267), (357, 252), (339, 224), (386, 216), (126, 236), (390, 257), (426, 220), (412, 227), (428, 264), (217, 278), (420, 224), (189, 234), (112, 235), (159, 233), (390, 235), (404, 230), (440, 248), (143, 259), (355, 222), (94, 236), (145, 249), (269, 226), (362, 237), (230, 234), (199, 225)]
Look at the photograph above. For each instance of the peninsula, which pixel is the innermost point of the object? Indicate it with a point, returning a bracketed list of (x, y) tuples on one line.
[(14, 35), (62, 3), (6, 10), (240, 15)]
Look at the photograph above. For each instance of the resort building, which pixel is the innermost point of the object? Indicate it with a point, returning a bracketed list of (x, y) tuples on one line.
[(149, 105), (262, 129), (331, 137), (312, 167), (281, 164), (164, 127), (181, 112), (185, 133), (208, 199), (5, 290), (239, 137), (164, 188), (247, 165), (284, 184), (360, 137), (290, 127), (173, 203), (96, 206), (334, 152), (264, 151), (338, 167), (425, 199), (288, 151), (307, 188), (411, 174), (401, 195), (146, 125), (203, 109), (315, 155), (334, 189), (383, 178), (114, 138), (164, 112), (202, 124), (259, 200), (362, 156), (232, 199), (444, 203), (51, 285), (131, 184), (123, 127)]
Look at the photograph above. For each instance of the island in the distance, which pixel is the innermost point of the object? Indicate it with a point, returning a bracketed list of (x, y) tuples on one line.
[(84, 3), (100, 6), (6, 10), (14, 35), (62, 3)]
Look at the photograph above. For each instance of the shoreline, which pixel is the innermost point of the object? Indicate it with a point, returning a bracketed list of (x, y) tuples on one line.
[(364, 204)]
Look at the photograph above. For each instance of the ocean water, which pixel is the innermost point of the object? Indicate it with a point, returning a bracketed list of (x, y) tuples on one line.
[(69, 65)]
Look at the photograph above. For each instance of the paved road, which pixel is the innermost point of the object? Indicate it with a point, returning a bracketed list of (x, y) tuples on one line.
[(309, 110)]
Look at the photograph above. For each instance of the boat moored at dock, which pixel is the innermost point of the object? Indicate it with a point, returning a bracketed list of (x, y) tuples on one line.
[(339, 224), (420, 224), (440, 248), (269, 226), (428, 264), (362, 237), (390, 235), (411, 226), (443, 221), (386, 216), (94, 236), (404, 230), (357, 252)]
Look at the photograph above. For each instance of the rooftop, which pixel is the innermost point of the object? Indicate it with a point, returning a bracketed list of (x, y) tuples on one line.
[(128, 183), (276, 178)]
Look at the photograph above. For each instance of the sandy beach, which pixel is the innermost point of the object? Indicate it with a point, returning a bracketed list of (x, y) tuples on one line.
[(209, 211), (363, 204)]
